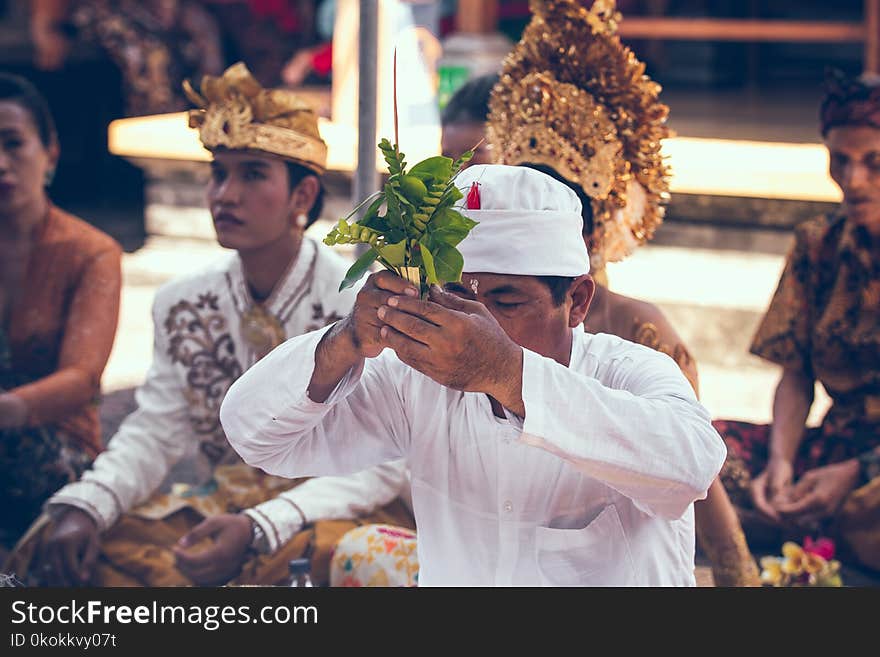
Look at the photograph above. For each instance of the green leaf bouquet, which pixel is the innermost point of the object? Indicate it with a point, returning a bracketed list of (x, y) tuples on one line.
[(417, 234)]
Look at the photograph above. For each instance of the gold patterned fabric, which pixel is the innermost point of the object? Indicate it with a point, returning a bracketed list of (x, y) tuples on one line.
[(138, 549), (572, 97), (235, 112), (824, 321), (646, 333)]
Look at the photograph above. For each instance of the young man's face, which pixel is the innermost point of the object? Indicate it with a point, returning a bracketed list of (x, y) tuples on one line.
[(525, 309), (250, 199)]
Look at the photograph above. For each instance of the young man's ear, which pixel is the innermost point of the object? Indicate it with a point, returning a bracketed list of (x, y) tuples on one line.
[(304, 195), (581, 294)]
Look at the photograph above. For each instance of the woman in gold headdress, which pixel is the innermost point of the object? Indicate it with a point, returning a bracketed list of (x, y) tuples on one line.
[(823, 324), (573, 102), (229, 523)]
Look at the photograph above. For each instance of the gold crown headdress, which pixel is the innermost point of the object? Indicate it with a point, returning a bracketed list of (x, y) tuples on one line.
[(572, 97), (236, 112)]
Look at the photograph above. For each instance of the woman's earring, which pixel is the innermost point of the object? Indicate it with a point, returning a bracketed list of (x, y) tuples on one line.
[(49, 177), (301, 220)]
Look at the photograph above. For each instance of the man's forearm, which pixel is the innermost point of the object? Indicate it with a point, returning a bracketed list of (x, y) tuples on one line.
[(791, 406), (335, 356)]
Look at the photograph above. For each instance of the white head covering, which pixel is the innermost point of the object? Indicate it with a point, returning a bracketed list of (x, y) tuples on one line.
[(529, 223)]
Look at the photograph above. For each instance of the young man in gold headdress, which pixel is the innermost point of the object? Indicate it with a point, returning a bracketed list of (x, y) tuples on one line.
[(234, 523), (601, 135)]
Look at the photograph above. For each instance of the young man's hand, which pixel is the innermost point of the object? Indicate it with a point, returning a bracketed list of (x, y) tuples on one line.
[(70, 550), (217, 564)]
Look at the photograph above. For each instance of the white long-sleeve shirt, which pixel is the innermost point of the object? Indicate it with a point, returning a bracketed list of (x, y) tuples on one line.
[(199, 351), (595, 487)]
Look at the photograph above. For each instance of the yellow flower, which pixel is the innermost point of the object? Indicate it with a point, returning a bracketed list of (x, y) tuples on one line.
[(795, 558), (813, 563), (771, 571)]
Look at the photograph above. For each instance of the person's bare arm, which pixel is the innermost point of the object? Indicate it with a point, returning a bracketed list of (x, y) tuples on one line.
[(791, 405)]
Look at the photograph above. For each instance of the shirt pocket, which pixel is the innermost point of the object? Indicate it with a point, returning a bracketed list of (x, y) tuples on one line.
[(595, 555)]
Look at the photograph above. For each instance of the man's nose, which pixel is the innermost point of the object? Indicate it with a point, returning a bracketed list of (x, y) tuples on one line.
[(228, 193), (856, 177)]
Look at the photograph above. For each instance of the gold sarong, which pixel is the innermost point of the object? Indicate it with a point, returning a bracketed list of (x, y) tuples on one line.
[(137, 549)]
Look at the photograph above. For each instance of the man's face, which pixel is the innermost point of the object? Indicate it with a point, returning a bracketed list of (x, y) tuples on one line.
[(250, 199), (524, 307), (854, 155)]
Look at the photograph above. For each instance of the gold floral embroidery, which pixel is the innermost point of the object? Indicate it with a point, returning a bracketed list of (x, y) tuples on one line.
[(199, 339), (319, 319)]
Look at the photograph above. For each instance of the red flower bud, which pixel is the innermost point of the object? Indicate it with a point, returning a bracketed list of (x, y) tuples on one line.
[(473, 197)]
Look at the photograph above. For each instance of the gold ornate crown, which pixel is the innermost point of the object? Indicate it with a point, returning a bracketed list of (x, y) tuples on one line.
[(236, 112), (572, 97)]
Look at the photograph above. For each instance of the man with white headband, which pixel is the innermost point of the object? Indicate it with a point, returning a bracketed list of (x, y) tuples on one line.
[(475, 386)]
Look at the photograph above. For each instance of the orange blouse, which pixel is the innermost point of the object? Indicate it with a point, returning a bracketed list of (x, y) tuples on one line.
[(62, 327)]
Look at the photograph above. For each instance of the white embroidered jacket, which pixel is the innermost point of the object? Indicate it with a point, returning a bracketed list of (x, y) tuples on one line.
[(198, 353)]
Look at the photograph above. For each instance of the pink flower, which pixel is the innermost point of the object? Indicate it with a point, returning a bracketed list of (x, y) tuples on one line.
[(822, 547)]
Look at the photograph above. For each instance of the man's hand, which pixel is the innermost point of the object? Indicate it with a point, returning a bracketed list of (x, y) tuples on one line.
[(456, 342), (772, 486), (231, 534), (357, 336), (363, 324), (820, 492), (13, 411), (70, 550)]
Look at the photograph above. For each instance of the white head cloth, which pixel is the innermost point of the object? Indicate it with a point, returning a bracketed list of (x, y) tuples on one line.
[(530, 223)]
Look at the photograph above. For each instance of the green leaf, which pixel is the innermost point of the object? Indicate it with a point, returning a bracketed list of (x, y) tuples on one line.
[(413, 189), (395, 254), (358, 269), (375, 206), (404, 201), (451, 196), (395, 235), (449, 227), (448, 263), (428, 262), (377, 223), (393, 216), (463, 159), (438, 168)]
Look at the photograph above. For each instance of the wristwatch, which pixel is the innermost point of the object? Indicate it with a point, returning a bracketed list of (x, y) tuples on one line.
[(869, 466), (259, 542)]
